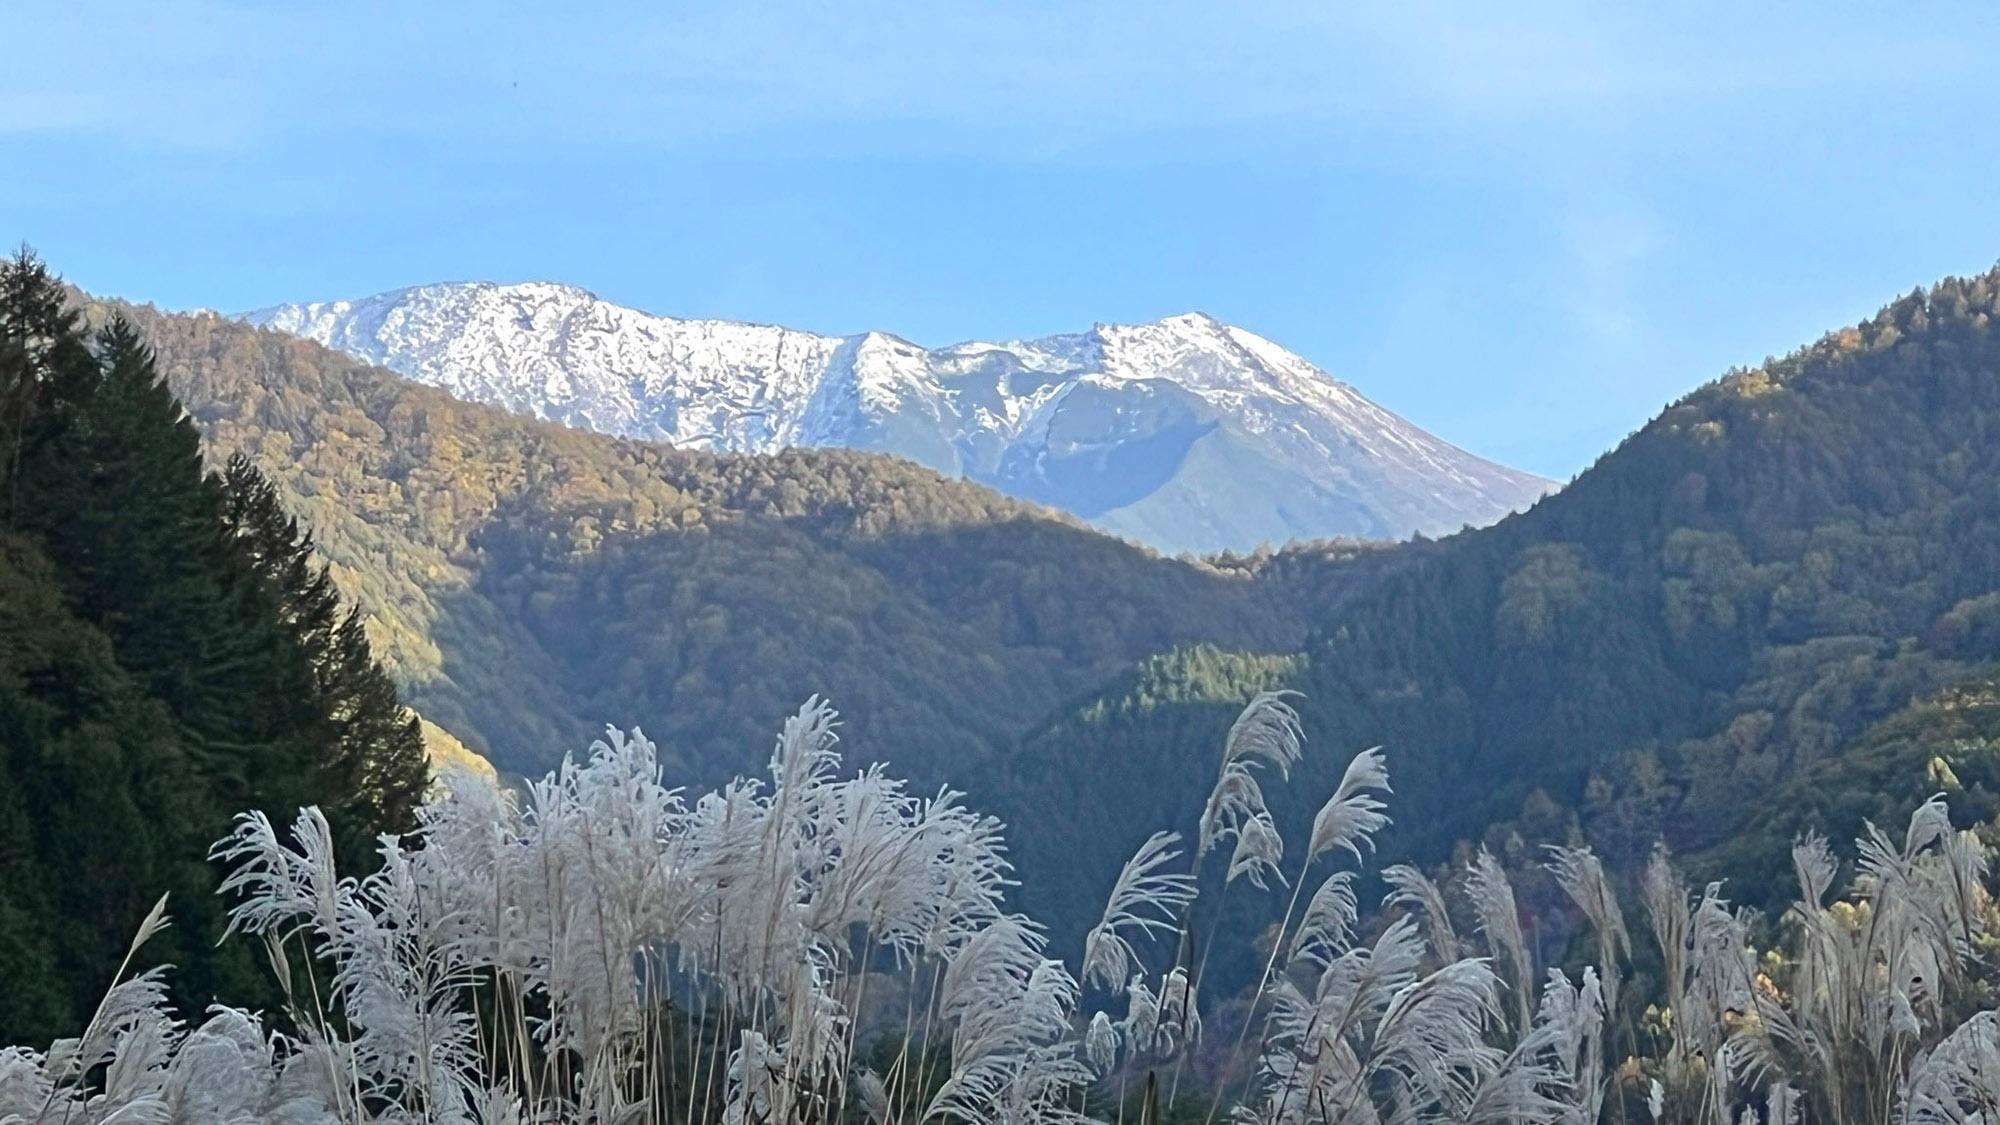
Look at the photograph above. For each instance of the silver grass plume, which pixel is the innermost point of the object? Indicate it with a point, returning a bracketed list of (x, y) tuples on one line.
[(1259, 850), (873, 1094), (1568, 1038), (1144, 901), (1180, 1016), (1414, 891), (1327, 926), (1870, 977), (1267, 729), (1352, 816), (1375, 1039), (1665, 898), (149, 1070), (1581, 875), (1140, 1029), (1266, 732), (1492, 897), (1100, 1044), (1956, 1082)]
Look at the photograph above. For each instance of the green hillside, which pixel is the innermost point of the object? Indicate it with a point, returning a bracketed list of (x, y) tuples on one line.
[(1715, 610), (1721, 605), (530, 583)]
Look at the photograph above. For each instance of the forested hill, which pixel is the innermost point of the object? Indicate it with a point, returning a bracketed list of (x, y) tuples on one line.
[(532, 582), (1720, 605)]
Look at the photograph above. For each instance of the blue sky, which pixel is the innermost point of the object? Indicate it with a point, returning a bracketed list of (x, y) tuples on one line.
[(1525, 226)]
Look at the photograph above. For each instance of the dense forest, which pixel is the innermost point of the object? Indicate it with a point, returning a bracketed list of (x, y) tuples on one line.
[(172, 652), (1692, 643)]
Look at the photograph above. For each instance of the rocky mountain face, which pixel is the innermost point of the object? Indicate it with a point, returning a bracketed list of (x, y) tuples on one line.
[(1185, 434)]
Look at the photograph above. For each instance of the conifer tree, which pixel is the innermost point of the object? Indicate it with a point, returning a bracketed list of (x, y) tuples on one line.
[(172, 653), (43, 363), (370, 748), (138, 529), (98, 797)]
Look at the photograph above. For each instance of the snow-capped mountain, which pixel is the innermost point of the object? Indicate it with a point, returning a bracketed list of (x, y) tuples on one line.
[(1186, 433)]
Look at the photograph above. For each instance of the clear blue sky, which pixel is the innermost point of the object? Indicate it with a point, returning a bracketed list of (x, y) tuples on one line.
[(1525, 226)]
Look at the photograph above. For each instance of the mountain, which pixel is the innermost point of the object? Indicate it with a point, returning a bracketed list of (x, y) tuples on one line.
[(1691, 643), (1186, 434), (530, 582), (1719, 610)]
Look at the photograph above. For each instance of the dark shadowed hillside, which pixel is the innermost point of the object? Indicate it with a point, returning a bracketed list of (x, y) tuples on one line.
[(1718, 607)]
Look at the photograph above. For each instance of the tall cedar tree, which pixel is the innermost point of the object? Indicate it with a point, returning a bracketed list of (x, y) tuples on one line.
[(45, 367), (372, 754), (175, 657)]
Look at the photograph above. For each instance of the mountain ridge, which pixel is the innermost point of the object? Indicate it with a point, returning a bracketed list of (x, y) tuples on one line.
[(1185, 433), (1781, 558), (528, 581)]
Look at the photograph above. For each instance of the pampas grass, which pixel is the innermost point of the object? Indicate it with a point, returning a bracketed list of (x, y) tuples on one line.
[(815, 948)]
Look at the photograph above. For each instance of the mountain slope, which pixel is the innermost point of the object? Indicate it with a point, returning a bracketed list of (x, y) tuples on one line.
[(1718, 607), (531, 582), (1186, 433)]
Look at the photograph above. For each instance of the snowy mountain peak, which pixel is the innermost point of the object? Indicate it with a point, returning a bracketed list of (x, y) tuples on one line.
[(1185, 432)]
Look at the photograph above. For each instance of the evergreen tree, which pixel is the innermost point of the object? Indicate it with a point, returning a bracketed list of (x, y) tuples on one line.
[(43, 365), (171, 654), (370, 748), (101, 809), (140, 534)]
